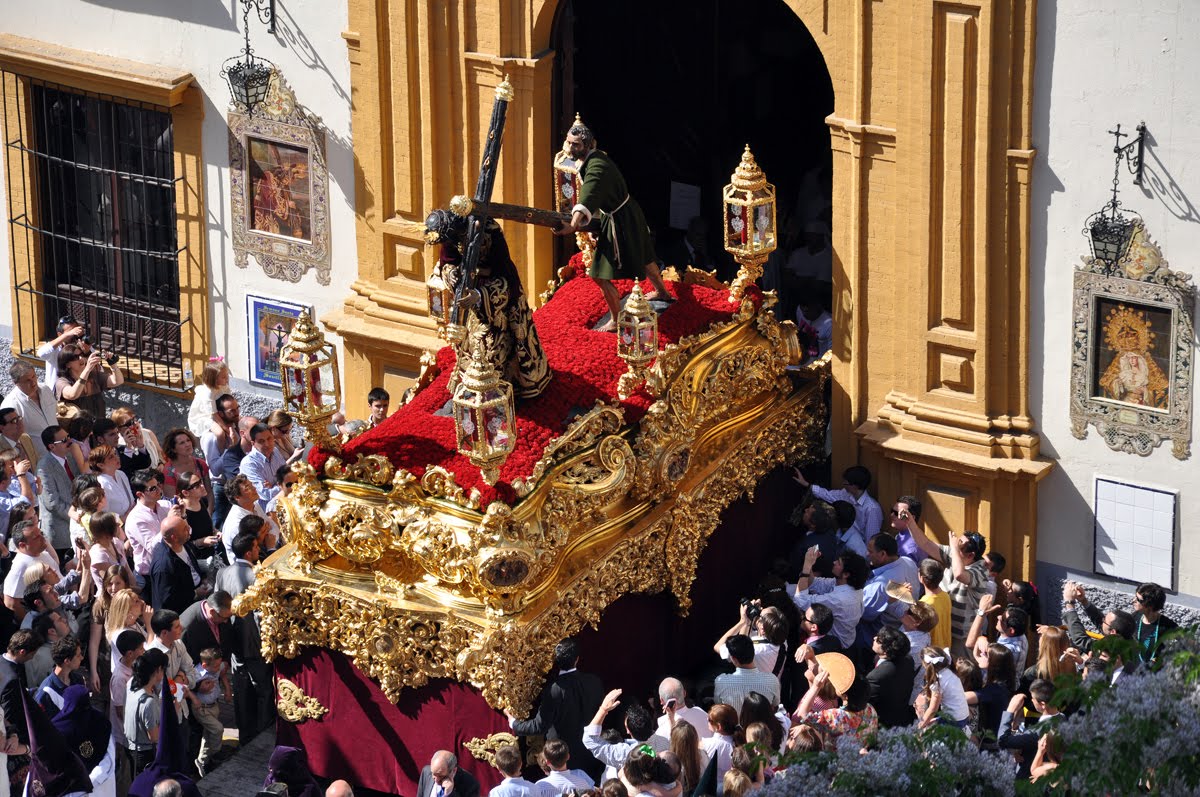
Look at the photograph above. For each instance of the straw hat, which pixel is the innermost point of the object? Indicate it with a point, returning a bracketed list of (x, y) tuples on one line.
[(840, 669), (899, 590)]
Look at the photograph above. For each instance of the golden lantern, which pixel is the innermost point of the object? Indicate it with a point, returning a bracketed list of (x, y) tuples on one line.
[(637, 340), (312, 392), (441, 300), (749, 213), (566, 179), (484, 417)]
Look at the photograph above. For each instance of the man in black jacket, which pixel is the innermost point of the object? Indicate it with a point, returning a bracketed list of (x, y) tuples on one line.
[(174, 572), (443, 778), (201, 618), (21, 648), (566, 705), (890, 682)]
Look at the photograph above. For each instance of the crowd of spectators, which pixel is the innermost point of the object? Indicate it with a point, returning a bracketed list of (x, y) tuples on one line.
[(122, 553), (124, 550), (871, 624)]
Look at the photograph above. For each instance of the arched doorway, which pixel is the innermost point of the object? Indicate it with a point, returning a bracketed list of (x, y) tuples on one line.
[(675, 96)]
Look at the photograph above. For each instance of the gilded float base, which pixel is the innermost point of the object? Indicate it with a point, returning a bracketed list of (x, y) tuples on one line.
[(413, 581)]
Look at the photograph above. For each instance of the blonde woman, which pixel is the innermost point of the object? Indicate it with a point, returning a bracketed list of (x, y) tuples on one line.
[(114, 581), (127, 612), (211, 384), (1051, 659), (280, 424)]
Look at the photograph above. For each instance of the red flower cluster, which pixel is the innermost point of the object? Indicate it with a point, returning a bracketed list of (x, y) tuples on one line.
[(586, 368)]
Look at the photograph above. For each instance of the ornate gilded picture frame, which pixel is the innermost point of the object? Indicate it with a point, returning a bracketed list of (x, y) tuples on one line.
[(280, 188), (1132, 350)]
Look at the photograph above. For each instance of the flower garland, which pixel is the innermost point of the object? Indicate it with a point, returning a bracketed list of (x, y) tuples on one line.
[(586, 369)]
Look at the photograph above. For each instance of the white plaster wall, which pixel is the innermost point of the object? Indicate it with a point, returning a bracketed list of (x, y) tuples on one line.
[(1100, 63), (197, 36)]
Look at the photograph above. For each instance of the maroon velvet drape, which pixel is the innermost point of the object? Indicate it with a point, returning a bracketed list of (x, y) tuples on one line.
[(640, 639)]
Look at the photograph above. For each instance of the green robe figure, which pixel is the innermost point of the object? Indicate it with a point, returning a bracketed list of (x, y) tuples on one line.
[(623, 247)]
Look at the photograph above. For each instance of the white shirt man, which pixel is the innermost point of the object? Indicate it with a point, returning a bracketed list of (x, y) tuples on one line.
[(31, 547), (33, 400), (69, 331), (842, 594), (672, 689)]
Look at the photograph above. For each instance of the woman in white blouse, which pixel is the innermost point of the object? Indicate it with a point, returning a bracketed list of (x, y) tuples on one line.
[(107, 465)]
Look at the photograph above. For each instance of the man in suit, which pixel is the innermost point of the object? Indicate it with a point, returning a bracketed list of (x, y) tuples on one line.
[(22, 647), (253, 687), (13, 436), (442, 778), (201, 618), (174, 572), (55, 499), (566, 705), (890, 682)]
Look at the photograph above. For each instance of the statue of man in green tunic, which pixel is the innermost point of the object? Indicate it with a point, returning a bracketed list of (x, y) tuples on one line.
[(623, 247)]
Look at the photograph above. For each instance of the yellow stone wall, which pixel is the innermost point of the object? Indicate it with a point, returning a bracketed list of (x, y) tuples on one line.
[(932, 159)]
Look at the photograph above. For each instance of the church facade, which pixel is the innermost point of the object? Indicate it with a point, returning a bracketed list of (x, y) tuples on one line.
[(969, 144)]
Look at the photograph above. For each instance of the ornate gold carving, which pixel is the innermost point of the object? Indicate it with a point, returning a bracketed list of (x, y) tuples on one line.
[(409, 578), (359, 532), (294, 705), (485, 749), (373, 469), (429, 372)]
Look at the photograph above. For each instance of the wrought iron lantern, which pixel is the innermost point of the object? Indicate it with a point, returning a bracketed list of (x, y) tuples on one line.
[(749, 222), (1110, 230), (484, 415), (249, 75), (308, 371), (637, 340)]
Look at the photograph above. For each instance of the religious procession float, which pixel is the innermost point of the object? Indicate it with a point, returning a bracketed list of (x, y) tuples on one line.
[(543, 479)]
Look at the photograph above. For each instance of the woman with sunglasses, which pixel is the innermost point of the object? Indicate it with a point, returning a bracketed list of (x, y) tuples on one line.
[(83, 378), (193, 494)]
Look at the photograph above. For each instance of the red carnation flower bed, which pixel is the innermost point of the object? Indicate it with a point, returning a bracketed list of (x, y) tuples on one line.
[(586, 368)]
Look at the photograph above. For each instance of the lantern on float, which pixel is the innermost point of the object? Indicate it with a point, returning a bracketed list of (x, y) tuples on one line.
[(749, 213), (484, 417), (311, 388), (637, 340), (566, 179), (441, 299)]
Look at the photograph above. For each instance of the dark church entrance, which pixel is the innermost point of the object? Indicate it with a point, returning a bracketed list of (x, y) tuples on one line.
[(674, 89)]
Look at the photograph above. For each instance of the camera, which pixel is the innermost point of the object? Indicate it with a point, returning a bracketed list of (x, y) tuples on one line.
[(753, 610), (108, 356)]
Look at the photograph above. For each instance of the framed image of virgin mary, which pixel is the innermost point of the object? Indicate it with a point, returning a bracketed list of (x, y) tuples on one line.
[(1132, 350)]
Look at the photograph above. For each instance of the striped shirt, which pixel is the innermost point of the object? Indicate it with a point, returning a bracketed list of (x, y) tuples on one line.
[(732, 688), (964, 598)]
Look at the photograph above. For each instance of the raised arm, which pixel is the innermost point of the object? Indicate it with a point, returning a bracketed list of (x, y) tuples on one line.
[(928, 546)]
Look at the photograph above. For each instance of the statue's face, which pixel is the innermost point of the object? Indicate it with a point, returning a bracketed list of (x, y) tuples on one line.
[(575, 146)]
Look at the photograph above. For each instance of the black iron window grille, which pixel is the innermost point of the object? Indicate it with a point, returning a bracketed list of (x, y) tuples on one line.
[(91, 200)]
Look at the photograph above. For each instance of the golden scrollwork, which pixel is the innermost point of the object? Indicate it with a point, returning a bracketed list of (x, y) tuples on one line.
[(372, 469), (295, 706), (484, 749), (409, 577)]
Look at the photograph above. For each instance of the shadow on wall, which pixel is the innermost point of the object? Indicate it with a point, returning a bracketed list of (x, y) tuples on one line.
[(1157, 183), (200, 12)]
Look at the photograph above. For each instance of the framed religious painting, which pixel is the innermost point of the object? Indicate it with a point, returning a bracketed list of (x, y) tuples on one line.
[(1132, 349), (269, 322), (280, 188)]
